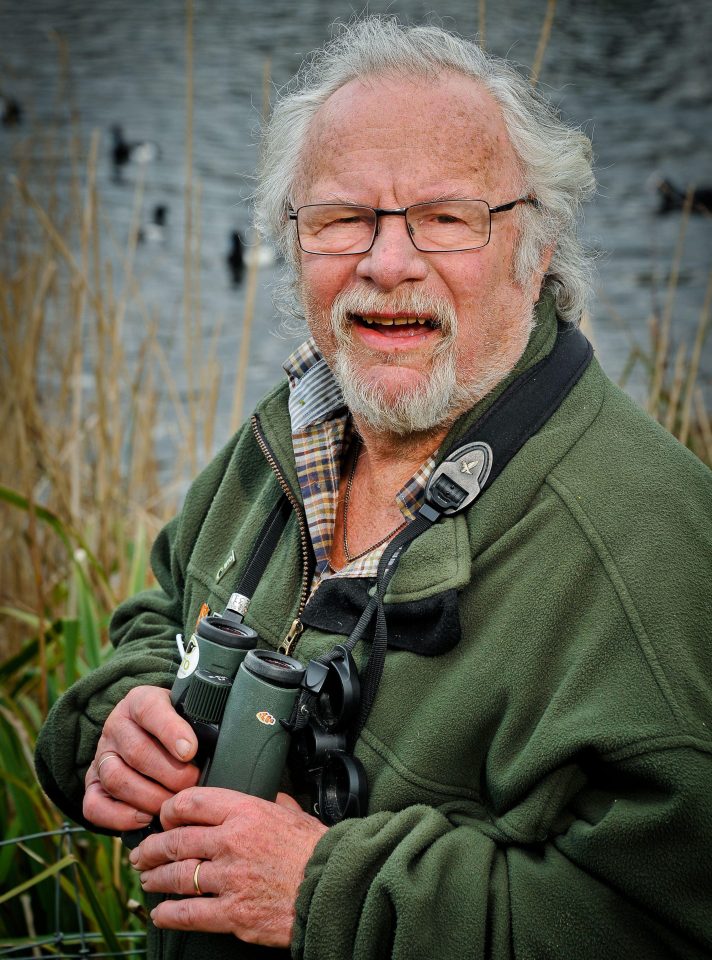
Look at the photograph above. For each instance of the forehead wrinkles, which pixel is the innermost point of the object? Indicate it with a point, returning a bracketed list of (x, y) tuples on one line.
[(452, 120)]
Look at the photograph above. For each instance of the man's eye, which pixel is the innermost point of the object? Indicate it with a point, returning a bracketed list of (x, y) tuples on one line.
[(437, 216), (444, 218), (339, 223)]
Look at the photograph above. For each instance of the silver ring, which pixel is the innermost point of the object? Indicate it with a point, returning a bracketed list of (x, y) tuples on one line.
[(196, 883), (109, 756)]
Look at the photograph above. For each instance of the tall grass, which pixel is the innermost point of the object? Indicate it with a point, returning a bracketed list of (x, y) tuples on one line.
[(81, 498), (671, 369)]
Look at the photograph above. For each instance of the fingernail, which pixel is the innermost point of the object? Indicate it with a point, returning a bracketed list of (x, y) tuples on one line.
[(143, 817), (182, 748), (133, 856)]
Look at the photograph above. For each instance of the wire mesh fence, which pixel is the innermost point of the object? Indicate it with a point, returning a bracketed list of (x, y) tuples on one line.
[(56, 911)]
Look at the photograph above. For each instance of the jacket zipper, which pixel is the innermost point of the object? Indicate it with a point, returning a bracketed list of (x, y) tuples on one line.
[(290, 641)]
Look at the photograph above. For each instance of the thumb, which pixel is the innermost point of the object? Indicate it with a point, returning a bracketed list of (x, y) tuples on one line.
[(284, 800), (151, 709)]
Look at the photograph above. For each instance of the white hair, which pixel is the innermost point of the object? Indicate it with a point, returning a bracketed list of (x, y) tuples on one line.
[(555, 159)]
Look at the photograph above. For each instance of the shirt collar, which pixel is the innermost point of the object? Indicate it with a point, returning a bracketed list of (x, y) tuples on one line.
[(314, 393)]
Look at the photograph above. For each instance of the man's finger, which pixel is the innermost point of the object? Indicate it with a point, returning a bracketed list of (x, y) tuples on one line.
[(143, 753), (184, 878), (208, 915), (121, 782), (172, 846), (195, 913), (151, 709), (209, 806), (105, 811)]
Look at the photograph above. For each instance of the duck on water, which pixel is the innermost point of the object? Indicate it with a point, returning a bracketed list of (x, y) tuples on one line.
[(673, 198), (125, 152)]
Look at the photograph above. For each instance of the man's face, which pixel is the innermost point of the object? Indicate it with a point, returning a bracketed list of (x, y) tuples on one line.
[(392, 142)]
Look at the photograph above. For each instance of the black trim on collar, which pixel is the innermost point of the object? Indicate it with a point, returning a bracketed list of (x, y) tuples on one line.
[(428, 627)]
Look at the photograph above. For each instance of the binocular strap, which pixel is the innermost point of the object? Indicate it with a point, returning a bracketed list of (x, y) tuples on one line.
[(519, 413)]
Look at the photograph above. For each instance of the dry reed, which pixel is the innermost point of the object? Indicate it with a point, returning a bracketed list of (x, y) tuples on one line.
[(675, 395), (544, 37), (79, 417), (238, 398)]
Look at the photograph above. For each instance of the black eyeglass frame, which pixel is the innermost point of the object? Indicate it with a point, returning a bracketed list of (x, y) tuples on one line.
[(403, 212)]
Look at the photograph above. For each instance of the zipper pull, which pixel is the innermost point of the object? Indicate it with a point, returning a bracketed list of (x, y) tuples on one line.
[(290, 641)]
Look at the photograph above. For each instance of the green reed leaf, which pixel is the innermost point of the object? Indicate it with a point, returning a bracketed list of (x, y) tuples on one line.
[(44, 875)]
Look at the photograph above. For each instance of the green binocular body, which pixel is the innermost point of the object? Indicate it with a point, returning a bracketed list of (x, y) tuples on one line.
[(235, 697)]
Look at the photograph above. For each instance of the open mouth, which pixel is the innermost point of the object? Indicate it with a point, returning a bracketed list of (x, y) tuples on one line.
[(399, 321)]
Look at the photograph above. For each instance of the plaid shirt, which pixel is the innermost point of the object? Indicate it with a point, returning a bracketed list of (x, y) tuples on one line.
[(322, 431)]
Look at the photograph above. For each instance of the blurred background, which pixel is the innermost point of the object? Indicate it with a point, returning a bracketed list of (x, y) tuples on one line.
[(132, 343)]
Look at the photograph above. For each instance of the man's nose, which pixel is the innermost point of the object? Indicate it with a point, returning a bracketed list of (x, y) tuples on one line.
[(393, 259)]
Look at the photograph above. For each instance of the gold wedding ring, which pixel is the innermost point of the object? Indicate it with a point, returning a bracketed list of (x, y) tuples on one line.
[(196, 884), (109, 756)]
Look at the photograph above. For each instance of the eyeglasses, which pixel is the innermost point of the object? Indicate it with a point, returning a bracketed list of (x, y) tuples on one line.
[(440, 226)]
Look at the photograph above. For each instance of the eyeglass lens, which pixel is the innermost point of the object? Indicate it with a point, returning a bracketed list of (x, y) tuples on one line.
[(441, 225)]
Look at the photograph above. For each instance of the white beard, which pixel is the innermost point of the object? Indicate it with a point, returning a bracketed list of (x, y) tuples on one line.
[(439, 398)]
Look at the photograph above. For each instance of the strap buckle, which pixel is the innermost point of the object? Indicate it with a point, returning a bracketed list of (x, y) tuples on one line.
[(457, 481)]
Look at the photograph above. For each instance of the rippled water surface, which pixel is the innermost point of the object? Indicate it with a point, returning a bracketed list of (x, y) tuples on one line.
[(634, 74)]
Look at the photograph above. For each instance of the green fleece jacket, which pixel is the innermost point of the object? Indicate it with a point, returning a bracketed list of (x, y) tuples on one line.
[(539, 753)]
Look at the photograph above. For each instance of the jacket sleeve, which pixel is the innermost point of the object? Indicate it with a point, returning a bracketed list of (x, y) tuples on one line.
[(619, 872), (143, 631)]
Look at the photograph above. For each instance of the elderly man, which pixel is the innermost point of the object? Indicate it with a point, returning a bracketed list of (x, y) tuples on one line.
[(538, 746)]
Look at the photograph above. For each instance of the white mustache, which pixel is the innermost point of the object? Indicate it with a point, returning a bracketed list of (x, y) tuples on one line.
[(413, 303)]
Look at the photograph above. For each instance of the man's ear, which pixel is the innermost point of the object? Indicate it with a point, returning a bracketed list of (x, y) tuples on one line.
[(540, 272)]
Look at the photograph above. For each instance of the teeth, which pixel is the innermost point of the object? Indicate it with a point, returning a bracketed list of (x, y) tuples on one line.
[(394, 321)]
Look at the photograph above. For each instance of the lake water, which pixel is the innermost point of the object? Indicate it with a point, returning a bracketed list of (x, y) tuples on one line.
[(634, 74)]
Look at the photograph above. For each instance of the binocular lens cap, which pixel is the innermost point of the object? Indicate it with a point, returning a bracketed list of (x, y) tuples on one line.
[(343, 789)]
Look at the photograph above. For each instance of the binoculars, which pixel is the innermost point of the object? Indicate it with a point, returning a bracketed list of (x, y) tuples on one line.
[(244, 706), (235, 697)]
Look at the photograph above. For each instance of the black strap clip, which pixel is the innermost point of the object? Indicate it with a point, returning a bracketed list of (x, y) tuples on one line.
[(457, 481)]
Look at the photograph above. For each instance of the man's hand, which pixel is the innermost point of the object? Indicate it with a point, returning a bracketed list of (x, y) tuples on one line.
[(141, 760), (252, 855)]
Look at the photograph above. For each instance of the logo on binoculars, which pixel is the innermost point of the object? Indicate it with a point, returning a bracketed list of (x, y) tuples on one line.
[(264, 716)]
